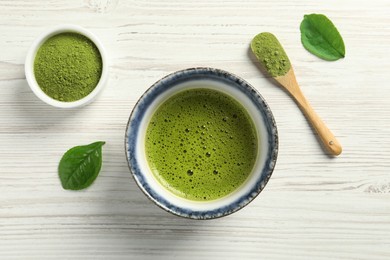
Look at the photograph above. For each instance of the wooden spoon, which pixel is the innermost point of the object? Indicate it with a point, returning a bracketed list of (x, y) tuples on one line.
[(268, 42)]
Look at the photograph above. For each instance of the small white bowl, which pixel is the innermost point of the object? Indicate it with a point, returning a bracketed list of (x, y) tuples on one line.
[(29, 66)]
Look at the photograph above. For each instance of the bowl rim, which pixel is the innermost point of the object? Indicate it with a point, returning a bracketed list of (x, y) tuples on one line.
[(268, 167), (29, 66)]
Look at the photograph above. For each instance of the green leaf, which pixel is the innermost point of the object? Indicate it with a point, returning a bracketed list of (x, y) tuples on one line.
[(320, 37), (80, 166)]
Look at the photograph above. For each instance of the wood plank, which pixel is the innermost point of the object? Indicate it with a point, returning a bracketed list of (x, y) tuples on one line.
[(314, 207)]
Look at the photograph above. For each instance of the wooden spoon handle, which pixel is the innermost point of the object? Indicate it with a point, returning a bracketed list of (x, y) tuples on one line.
[(330, 142), (328, 139)]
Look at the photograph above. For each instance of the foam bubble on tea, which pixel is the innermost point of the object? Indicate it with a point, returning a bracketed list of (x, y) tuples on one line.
[(201, 144)]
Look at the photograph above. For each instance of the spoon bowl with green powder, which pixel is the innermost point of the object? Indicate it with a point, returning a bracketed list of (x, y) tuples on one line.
[(201, 143), (67, 66)]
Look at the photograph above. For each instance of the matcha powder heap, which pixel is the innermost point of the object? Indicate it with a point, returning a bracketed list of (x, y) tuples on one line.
[(271, 54), (68, 66)]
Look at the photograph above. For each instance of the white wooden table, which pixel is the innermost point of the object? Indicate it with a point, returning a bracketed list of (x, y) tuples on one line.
[(314, 206)]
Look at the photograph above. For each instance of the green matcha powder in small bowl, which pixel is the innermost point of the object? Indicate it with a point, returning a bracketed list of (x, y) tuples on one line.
[(66, 67)]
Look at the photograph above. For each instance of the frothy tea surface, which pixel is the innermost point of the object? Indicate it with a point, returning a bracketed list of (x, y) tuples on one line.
[(201, 144)]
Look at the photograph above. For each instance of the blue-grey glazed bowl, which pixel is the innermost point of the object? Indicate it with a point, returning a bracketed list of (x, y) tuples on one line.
[(221, 81)]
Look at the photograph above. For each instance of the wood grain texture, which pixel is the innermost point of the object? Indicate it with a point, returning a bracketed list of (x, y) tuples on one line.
[(314, 207)]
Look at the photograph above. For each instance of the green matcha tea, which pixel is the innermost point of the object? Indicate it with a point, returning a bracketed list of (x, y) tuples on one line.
[(201, 144), (68, 66)]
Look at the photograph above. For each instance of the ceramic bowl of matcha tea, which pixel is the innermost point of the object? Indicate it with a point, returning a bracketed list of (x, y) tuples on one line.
[(201, 143), (66, 66)]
